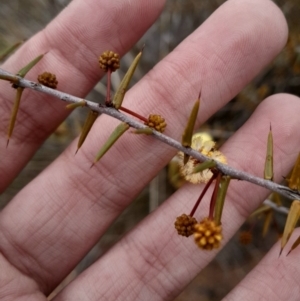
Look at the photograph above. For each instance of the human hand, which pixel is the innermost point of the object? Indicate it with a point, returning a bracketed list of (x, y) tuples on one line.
[(53, 222)]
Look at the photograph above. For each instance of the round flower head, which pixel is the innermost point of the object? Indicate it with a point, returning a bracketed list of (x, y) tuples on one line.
[(245, 237), (156, 122), (48, 79), (184, 225), (109, 60), (205, 146), (207, 234)]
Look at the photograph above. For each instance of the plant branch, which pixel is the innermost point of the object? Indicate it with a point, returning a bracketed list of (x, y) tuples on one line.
[(280, 209), (225, 169)]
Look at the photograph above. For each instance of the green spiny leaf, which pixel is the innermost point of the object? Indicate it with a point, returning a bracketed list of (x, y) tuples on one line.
[(294, 179), (120, 93), (268, 171), (74, 105), (9, 50), (145, 131), (29, 66), (14, 113), (290, 224), (90, 119), (225, 180), (189, 129), (116, 134), (294, 246), (205, 165)]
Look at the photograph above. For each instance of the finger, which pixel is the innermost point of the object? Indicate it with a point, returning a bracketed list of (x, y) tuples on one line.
[(75, 204), (152, 261), (73, 43), (274, 278)]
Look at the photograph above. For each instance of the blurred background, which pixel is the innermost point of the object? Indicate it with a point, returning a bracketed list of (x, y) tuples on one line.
[(21, 19)]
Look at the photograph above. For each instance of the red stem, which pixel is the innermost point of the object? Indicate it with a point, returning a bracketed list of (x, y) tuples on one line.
[(202, 194), (134, 114), (108, 87), (214, 197), (252, 227)]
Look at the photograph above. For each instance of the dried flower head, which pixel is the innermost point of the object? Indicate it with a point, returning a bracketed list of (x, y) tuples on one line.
[(48, 79), (245, 237), (206, 147), (207, 234), (156, 122), (109, 60), (184, 225)]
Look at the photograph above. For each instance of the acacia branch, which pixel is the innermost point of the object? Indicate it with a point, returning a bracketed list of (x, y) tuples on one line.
[(225, 169), (275, 207)]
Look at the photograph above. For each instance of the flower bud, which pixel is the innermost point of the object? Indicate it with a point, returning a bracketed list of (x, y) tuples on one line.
[(109, 60), (48, 79)]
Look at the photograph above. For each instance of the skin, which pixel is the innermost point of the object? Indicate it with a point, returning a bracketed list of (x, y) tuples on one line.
[(53, 222)]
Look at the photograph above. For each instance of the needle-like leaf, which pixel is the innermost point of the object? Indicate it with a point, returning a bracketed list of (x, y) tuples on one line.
[(12, 78), (75, 105), (294, 246), (261, 209), (294, 179), (290, 224), (90, 119), (268, 171), (189, 129), (225, 180), (29, 66), (120, 93), (14, 113), (4, 53), (145, 131), (115, 135), (205, 165), (21, 73)]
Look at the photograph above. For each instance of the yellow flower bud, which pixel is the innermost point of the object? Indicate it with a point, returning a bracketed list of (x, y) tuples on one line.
[(207, 234)]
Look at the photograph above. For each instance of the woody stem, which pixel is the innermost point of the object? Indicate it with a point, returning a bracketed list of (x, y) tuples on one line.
[(225, 169)]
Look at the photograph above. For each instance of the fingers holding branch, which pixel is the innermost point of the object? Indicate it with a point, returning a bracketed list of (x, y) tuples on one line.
[(221, 56), (72, 49)]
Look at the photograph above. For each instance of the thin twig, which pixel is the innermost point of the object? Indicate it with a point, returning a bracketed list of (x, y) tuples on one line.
[(225, 169), (280, 209)]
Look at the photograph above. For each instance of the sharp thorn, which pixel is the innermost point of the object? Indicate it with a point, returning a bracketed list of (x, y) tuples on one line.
[(199, 96)]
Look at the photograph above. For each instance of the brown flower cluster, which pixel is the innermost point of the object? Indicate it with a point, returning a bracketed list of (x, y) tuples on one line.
[(156, 122), (48, 79), (245, 237), (184, 225), (207, 234), (109, 60)]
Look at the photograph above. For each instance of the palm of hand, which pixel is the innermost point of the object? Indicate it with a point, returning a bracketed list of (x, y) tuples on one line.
[(49, 226)]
